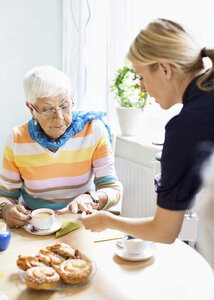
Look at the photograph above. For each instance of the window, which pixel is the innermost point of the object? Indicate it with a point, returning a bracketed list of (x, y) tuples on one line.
[(97, 35)]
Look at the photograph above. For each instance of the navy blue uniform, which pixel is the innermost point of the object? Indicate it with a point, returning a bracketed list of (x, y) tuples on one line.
[(181, 158)]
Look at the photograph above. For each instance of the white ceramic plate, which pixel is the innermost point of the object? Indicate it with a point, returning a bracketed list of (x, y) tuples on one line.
[(56, 226), (146, 254), (62, 285)]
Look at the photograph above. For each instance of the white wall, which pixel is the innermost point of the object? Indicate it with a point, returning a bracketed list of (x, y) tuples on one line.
[(30, 35)]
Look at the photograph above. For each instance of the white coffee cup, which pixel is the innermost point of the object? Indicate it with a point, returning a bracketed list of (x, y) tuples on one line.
[(3, 227), (43, 218), (133, 245)]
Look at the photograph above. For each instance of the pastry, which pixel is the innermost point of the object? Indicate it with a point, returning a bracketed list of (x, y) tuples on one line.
[(53, 263), (62, 249), (44, 259), (41, 278), (77, 254), (50, 258), (75, 270), (26, 262)]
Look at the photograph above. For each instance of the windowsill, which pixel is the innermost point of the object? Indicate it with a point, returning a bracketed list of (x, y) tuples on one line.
[(142, 147), (137, 149)]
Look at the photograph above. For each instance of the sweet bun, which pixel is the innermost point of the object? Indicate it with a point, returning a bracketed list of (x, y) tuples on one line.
[(50, 258), (44, 259), (26, 262), (77, 254), (62, 249), (53, 257), (75, 270), (41, 278)]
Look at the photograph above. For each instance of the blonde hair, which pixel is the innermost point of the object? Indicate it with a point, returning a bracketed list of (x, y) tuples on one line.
[(167, 41), (45, 81)]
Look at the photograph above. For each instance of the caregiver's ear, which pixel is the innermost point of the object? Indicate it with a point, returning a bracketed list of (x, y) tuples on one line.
[(166, 69)]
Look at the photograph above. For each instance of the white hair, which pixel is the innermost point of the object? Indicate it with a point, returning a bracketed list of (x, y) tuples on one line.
[(45, 81)]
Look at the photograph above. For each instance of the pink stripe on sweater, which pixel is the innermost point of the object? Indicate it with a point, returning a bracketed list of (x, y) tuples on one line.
[(57, 182), (10, 174), (102, 162)]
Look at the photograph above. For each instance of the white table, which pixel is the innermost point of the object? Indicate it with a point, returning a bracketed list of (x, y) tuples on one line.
[(176, 272)]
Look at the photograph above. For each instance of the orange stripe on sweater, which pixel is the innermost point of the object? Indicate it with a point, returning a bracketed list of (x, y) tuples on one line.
[(103, 151), (55, 170), (21, 134), (9, 165)]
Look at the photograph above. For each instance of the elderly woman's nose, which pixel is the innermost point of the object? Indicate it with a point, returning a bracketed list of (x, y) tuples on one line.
[(59, 114)]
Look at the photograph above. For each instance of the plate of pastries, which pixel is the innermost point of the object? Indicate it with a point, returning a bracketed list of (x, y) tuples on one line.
[(57, 266)]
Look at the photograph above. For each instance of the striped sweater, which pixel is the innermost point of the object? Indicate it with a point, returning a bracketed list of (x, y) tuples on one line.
[(46, 179)]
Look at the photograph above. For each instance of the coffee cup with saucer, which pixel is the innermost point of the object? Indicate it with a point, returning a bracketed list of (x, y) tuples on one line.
[(43, 222), (131, 248)]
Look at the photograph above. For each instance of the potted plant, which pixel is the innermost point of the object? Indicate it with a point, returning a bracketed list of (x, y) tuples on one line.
[(130, 100)]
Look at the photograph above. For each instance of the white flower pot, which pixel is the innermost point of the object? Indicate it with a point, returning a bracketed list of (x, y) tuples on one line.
[(129, 120)]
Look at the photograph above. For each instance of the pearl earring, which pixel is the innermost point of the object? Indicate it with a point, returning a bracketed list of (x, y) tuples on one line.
[(35, 122)]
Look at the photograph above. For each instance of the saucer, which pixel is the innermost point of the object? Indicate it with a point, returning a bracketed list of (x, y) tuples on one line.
[(146, 254), (56, 226)]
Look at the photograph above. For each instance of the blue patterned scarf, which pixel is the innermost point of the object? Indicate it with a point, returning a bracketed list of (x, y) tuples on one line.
[(79, 119)]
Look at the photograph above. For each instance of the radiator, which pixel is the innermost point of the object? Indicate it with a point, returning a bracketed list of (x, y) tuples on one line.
[(139, 197)]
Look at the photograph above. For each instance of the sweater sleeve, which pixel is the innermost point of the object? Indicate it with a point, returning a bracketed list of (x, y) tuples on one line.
[(103, 165), (10, 179)]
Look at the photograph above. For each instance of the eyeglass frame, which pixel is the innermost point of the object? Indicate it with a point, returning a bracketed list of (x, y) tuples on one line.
[(45, 114)]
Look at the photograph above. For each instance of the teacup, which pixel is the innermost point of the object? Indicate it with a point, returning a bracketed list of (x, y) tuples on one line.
[(133, 245), (43, 218)]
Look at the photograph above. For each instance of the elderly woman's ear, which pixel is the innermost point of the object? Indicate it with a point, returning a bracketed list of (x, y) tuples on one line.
[(31, 109)]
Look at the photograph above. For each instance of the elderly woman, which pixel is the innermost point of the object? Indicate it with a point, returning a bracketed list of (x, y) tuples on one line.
[(60, 159), (171, 69)]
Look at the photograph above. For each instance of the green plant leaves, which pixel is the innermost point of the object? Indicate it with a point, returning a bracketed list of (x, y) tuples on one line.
[(126, 86)]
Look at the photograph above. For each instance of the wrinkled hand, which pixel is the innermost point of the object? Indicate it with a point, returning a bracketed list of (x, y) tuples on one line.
[(83, 202), (96, 221), (16, 215)]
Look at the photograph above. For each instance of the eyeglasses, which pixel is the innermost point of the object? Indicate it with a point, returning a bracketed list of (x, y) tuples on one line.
[(50, 112)]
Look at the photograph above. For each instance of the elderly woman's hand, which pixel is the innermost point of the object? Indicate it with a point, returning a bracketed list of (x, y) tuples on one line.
[(16, 215), (83, 202), (96, 221)]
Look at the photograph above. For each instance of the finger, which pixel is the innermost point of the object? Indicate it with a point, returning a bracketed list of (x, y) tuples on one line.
[(15, 226), (85, 207), (20, 214), (95, 205), (21, 209), (26, 212), (15, 222), (63, 211), (74, 207), (83, 215)]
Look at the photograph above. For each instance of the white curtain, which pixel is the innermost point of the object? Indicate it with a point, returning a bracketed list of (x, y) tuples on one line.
[(94, 45), (85, 51)]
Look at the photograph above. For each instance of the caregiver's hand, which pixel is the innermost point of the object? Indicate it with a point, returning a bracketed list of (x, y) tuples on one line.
[(83, 202), (96, 221), (16, 215)]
